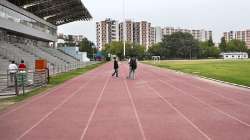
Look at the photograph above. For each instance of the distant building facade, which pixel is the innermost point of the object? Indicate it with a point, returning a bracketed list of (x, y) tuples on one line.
[(139, 33), (156, 35), (130, 31), (135, 32), (106, 32), (74, 39), (201, 35), (239, 35)]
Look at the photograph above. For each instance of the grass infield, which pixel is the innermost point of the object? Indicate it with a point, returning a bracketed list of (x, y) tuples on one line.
[(233, 71), (54, 81)]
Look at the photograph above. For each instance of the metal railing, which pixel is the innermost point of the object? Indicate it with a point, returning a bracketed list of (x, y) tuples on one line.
[(22, 81), (56, 69)]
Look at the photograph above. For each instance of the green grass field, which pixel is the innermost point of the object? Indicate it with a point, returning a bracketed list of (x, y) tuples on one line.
[(54, 81), (234, 71)]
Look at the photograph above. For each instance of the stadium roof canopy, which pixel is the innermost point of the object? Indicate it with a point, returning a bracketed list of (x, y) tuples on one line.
[(57, 12)]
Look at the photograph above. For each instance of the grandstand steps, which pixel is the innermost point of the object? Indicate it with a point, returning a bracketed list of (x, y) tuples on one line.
[(11, 52), (4, 65), (68, 55), (59, 54), (55, 53), (42, 54)]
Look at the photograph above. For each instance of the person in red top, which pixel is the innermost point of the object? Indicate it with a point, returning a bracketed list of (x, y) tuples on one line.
[(22, 66)]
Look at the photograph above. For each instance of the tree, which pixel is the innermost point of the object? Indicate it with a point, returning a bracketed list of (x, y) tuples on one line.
[(158, 50), (136, 50), (214, 52), (223, 45), (210, 42), (206, 50), (87, 46), (116, 48), (203, 49), (180, 45), (236, 46)]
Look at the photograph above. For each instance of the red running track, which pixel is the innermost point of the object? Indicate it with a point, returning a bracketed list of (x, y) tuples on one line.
[(158, 105)]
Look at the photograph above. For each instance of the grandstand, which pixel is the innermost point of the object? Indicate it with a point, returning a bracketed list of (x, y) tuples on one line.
[(29, 27)]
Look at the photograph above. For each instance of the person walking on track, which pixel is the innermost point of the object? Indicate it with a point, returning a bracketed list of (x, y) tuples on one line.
[(116, 67), (132, 68)]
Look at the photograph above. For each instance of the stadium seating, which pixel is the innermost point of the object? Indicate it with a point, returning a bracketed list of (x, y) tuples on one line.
[(59, 54), (11, 52), (58, 61), (74, 52), (4, 65)]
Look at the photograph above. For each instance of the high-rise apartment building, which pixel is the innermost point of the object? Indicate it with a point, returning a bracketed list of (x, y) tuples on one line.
[(247, 38), (155, 35), (132, 32), (139, 32), (201, 35), (240, 35), (229, 35), (128, 31), (106, 32), (136, 32), (145, 34), (152, 36)]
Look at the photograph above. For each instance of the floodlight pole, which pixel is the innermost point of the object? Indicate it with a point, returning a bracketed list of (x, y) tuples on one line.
[(124, 33)]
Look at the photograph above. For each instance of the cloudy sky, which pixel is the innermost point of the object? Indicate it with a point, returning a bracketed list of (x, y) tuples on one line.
[(215, 15)]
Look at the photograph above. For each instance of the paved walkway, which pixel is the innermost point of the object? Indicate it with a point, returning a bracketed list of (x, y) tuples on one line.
[(158, 105)]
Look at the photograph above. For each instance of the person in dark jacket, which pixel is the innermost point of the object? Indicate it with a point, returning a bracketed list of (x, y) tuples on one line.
[(116, 66), (132, 68)]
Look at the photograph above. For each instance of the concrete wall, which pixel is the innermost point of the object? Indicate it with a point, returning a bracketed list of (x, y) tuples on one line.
[(13, 26)]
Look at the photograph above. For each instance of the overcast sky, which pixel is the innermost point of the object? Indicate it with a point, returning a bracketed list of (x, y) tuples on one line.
[(215, 15)]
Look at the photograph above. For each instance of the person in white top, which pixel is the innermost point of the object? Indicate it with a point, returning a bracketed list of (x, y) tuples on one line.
[(12, 69)]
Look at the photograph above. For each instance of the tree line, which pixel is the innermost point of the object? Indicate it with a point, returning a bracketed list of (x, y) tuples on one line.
[(175, 46), (178, 46)]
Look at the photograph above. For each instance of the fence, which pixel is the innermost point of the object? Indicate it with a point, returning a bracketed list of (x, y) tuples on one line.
[(22, 81), (55, 69)]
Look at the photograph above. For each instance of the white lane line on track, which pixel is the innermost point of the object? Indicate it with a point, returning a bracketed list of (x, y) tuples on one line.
[(135, 111), (202, 102), (176, 110), (179, 112), (133, 106), (94, 109), (53, 110), (222, 96), (188, 76), (205, 90), (43, 95)]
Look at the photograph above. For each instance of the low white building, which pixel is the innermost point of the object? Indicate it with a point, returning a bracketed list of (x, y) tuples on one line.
[(235, 55)]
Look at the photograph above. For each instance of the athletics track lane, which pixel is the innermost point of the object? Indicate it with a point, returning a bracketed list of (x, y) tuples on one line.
[(158, 105)]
